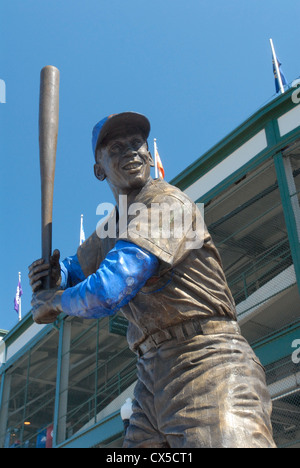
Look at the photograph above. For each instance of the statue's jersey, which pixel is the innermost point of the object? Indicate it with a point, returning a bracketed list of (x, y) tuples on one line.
[(190, 282)]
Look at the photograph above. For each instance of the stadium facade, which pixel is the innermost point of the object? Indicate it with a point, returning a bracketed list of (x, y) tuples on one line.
[(62, 385)]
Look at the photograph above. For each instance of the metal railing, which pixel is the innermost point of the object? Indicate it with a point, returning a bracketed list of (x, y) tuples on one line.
[(266, 267)]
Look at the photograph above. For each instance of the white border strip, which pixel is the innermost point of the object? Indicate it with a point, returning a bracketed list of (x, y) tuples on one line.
[(289, 121), (231, 164)]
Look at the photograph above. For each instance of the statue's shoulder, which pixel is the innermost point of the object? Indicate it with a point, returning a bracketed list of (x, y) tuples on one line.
[(158, 191)]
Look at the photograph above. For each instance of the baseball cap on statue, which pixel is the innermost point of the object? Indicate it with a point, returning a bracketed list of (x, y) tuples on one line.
[(113, 121)]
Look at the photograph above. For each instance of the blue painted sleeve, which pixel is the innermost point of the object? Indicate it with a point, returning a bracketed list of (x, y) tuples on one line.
[(123, 272), (71, 272)]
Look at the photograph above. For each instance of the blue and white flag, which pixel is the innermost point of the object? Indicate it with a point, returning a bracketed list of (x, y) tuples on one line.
[(282, 77), (17, 300)]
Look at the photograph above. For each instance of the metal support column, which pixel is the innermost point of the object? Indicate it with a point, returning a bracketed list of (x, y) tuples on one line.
[(4, 400), (290, 208), (62, 383)]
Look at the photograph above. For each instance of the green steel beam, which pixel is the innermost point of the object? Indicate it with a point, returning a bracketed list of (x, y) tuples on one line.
[(110, 427), (58, 379), (278, 346), (289, 214), (4, 404)]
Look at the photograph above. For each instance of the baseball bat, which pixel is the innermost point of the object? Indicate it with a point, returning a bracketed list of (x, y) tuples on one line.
[(48, 130)]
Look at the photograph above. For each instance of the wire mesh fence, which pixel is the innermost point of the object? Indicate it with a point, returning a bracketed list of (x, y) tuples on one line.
[(283, 378)]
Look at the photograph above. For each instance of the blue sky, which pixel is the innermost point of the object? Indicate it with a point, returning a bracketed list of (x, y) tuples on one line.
[(196, 68)]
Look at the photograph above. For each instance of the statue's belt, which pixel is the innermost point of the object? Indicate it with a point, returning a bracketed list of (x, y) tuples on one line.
[(188, 329)]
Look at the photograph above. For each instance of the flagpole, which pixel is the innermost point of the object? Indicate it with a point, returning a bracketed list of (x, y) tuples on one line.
[(20, 300), (81, 226), (155, 159), (277, 67)]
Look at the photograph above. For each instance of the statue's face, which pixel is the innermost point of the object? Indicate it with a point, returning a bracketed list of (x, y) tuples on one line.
[(124, 160)]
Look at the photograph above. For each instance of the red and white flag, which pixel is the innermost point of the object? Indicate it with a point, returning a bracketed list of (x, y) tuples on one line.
[(159, 168)]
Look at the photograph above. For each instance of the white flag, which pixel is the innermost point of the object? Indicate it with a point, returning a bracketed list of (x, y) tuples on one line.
[(82, 235)]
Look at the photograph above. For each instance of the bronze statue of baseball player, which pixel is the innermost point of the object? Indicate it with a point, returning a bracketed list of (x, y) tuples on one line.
[(199, 382)]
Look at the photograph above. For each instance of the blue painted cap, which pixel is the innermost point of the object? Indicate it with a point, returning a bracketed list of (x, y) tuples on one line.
[(113, 121)]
